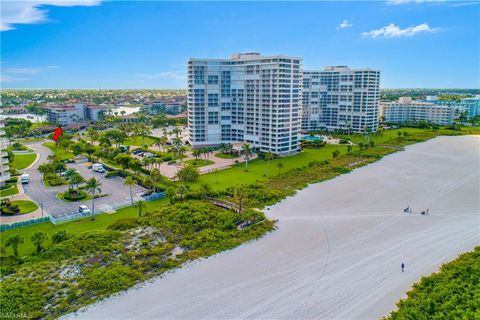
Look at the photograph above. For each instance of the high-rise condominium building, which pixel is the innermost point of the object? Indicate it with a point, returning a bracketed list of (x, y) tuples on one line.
[(340, 98), (248, 98), (4, 168)]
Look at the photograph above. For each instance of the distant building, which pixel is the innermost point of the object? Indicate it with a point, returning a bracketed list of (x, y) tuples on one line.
[(157, 107), (340, 98), (249, 98), (469, 106), (4, 168), (95, 112), (65, 115), (406, 110)]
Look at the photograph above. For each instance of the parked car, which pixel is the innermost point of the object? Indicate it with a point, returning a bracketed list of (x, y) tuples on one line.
[(148, 155), (98, 167), (83, 209), (25, 178), (124, 148), (137, 151)]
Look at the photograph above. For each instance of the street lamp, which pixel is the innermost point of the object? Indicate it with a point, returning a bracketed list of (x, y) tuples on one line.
[(41, 206)]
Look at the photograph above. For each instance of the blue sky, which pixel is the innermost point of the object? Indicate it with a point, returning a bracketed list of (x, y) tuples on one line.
[(127, 44)]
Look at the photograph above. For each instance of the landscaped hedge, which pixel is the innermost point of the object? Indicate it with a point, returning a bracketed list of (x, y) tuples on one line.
[(74, 195), (8, 209), (53, 179), (114, 173)]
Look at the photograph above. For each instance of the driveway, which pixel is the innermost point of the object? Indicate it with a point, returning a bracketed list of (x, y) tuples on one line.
[(41, 194)]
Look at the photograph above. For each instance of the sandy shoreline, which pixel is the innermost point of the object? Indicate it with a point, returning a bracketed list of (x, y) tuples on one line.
[(338, 247)]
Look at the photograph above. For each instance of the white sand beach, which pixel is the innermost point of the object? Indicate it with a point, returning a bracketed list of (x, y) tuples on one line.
[(338, 248)]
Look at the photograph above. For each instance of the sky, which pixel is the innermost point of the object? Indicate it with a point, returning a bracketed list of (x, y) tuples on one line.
[(145, 44)]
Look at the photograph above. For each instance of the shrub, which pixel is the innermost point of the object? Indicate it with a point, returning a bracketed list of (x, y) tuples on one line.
[(60, 236), (124, 224), (8, 209), (112, 174), (74, 195), (53, 179)]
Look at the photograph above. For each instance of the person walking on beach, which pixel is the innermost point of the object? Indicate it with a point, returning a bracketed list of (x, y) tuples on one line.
[(403, 266)]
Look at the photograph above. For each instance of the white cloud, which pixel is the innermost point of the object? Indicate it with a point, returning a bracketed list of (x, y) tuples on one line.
[(345, 25), (31, 12), (396, 2), (4, 78), (31, 70), (17, 74), (166, 75), (393, 31)]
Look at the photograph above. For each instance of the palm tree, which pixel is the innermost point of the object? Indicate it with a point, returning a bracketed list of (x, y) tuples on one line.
[(239, 196), (280, 166), (141, 206), (75, 180), (247, 151), (93, 134), (182, 190), (92, 186), (268, 157), (38, 238), (196, 153), (13, 242), (129, 182), (171, 194), (156, 177), (205, 190), (177, 131)]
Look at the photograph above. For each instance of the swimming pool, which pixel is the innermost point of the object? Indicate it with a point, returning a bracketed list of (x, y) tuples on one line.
[(312, 138)]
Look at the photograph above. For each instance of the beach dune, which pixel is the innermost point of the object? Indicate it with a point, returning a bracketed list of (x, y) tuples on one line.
[(338, 248)]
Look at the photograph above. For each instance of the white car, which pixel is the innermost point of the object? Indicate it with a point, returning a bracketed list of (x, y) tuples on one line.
[(83, 209), (25, 178), (98, 167)]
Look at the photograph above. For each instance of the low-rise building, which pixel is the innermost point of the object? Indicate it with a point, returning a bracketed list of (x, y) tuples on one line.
[(406, 110), (95, 112), (63, 115)]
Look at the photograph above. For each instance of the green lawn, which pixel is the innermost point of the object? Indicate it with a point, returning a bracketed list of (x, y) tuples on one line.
[(257, 168), (137, 141), (22, 161), (226, 156), (59, 151), (10, 190), (101, 222), (199, 162), (25, 206)]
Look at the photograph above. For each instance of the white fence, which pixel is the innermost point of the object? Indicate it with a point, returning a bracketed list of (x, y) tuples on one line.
[(70, 216)]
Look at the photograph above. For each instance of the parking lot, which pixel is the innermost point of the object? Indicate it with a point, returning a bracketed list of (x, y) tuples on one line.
[(55, 207)]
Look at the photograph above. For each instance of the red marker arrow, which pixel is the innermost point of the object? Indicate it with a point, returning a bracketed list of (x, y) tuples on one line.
[(57, 133)]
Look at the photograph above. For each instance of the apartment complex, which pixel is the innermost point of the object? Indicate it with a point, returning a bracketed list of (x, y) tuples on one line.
[(157, 107), (4, 168), (340, 98), (406, 110), (469, 106), (249, 98), (64, 115)]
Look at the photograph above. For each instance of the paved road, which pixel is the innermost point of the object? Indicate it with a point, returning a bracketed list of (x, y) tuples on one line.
[(39, 193), (338, 248)]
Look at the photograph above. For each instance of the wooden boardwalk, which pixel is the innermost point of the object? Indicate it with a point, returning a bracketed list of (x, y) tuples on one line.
[(224, 204)]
